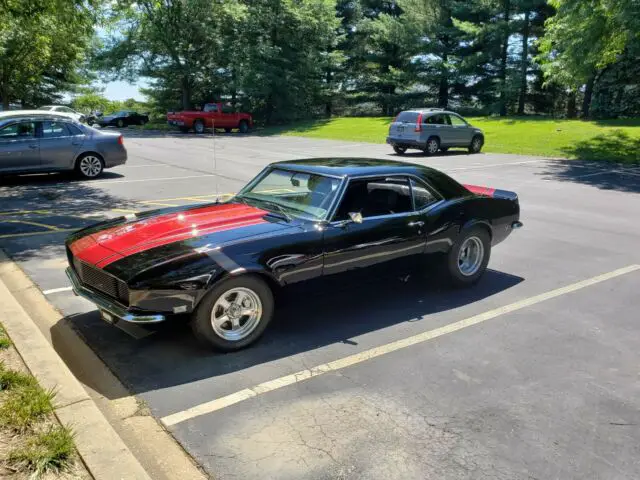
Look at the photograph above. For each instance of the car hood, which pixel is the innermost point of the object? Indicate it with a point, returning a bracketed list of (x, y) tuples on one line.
[(213, 225)]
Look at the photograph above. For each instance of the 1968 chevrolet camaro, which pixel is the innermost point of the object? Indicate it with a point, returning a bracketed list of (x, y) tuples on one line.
[(297, 222)]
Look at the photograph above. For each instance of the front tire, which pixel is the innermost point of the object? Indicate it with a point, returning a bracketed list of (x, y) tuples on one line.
[(467, 260), (432, 146), (234, 314), (476, 144), (400, 150), (89, 165), (244, 126), (120, 123)]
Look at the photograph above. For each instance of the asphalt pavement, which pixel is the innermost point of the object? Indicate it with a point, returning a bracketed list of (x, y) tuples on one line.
[(532, 374)]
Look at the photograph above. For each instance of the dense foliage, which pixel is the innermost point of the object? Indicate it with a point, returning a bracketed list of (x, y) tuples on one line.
[(288, 59)]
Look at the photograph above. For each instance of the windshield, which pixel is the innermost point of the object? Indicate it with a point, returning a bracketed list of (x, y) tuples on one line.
[(45, 108), (294, 193)]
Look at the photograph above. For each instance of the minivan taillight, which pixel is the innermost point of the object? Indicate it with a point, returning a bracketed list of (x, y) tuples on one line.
[(419, 123), (121, 140)]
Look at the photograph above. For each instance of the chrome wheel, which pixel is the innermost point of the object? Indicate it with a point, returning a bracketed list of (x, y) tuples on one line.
[(236, 313), (470, 256), (432, 146), (476, 144), (90, 166)]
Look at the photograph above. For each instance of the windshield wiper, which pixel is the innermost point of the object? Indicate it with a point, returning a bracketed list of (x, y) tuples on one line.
[(277, 206)]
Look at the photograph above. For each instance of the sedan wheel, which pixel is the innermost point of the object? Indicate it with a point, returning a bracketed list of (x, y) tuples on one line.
[(90, 166), (120, 123), (234, 314), (433, 145)]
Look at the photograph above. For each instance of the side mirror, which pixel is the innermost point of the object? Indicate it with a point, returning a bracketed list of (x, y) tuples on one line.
[(356, 217)]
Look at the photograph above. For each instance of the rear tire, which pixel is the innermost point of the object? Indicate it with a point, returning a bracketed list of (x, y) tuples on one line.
[(476, 144), (432, 146), (243, 126), (467, 260), (198, 126), (89, 166), (400, 150), (219, 323)]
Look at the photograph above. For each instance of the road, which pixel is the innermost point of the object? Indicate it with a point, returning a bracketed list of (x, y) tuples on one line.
[(531, 374)]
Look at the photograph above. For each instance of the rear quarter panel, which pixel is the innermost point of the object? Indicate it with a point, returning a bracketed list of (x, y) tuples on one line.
[(497, 213)]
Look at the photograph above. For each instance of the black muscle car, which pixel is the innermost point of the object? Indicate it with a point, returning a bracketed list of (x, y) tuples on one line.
[(296, 222), (121, 119)]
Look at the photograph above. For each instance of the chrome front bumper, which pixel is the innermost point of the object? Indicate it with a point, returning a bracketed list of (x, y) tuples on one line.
[(106, 305)]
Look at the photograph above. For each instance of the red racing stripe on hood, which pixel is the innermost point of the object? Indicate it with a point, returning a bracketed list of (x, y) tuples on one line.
[(135, 236), (480, 190)]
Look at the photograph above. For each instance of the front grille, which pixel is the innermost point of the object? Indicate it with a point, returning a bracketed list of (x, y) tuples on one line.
[(100, 280)]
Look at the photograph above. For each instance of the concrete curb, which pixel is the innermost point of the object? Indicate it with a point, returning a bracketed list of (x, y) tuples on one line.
[(102, 450)]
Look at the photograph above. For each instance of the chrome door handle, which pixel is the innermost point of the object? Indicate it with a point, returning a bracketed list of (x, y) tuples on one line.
[(416, 224)]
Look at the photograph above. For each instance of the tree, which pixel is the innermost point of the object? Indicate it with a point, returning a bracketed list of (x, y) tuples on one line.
[(42, 47), (177, 43), (584, 37)]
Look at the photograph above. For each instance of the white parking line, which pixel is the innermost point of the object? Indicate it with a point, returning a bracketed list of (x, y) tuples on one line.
[(495, 165), (57, 290), (247, 393)]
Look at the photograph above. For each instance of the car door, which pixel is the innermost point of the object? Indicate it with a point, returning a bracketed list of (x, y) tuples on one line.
[(388, 240), (59, 144), (461, 131), (19, 147), (438, 124), (212, 119)]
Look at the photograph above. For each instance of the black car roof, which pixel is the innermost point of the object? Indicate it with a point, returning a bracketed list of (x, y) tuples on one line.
[(351, 167)]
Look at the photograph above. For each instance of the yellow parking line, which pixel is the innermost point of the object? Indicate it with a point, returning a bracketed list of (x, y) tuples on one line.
[(35, 224), (14, 235), (24, 212), (271, 385)]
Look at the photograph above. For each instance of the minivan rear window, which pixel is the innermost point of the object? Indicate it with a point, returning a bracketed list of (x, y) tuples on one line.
[(407, 117)]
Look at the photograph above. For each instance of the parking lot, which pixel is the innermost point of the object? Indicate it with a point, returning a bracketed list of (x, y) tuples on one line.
[(532, 374)]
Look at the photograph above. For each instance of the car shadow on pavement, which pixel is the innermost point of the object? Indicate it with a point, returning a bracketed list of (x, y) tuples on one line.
[(605, 176), (173, 357)]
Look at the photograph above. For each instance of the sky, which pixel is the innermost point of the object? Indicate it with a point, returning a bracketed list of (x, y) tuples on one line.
[(123, 90)]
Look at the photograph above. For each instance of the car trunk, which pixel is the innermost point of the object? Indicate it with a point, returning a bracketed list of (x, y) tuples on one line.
[(404, 126)]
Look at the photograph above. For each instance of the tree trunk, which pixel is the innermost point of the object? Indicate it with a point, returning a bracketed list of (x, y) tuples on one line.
[(588, 95), (571, 105), (186, 93), (443, 89), (328, 107), (506, 4), (524, 63)]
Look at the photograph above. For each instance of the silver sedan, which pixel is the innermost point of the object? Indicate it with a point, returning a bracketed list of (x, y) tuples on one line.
[(33, 141)]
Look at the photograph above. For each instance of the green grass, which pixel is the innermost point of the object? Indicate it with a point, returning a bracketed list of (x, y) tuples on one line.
[(10, 379), (611, 140), (24, 405), (47, 451), (5, 342)]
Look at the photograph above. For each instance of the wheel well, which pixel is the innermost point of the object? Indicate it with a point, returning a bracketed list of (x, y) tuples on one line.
[(434, 136), (484, 227), (268, 279)]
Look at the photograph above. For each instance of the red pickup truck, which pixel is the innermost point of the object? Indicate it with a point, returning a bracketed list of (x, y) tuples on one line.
[(213, 115)]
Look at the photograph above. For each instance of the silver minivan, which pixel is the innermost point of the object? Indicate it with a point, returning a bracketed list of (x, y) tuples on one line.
[(431, 130)]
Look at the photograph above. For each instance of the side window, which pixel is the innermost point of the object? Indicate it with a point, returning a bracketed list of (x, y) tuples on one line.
[(73, 130), (375, 197), (211, 107), (438, 119), (422, 196), (51, 129), (456, 121), (18, 131)]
